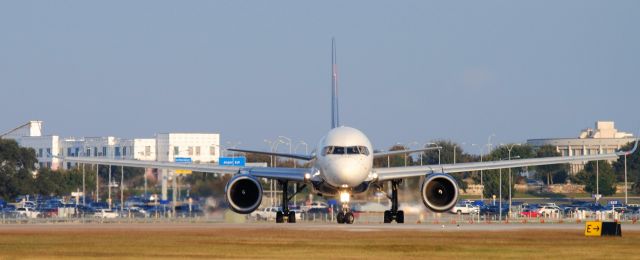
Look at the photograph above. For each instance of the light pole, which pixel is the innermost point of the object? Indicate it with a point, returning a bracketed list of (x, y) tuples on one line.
[(121, 188), (270, 144), (454, 151), (481, 182), (598, 178), (509, 148), (625, 180), (84, 194)]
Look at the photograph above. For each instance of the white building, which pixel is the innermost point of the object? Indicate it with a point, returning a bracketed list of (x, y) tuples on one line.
[(199, 147), (605, 138)]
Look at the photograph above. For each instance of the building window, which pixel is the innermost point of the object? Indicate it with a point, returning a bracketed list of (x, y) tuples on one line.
[(212, 150), (176, 150), (147, 150), (104, 151), (69, 151), (48, 152), (95, 151), (49, 165), (77, 152), (88, 152), (197, 150), (40, 153), (124, 151), (190, 150), (68, 165), (117, 151)]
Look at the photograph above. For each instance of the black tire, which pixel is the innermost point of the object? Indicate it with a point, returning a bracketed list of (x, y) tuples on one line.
[(279, 217), (292, 217), (387, 216), (340, 218), (349, 218), (400, 217)]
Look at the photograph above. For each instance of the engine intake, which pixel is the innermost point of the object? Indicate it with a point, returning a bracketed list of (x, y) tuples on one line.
[(243, 193), (439, 192)]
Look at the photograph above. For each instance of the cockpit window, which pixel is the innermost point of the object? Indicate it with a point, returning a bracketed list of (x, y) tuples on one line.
[(345, 150), (363, 150), (353, 150)]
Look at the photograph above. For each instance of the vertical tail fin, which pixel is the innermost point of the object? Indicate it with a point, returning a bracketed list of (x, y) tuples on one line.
[(335, 120)]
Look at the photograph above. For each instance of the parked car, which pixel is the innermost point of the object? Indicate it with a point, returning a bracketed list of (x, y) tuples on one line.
[(105, 213), (466, 208), (27, 212), (549, 210), (529, 213)]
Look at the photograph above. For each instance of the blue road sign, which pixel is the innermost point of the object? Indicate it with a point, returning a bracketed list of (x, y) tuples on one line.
[(183, 159), (232, 161)]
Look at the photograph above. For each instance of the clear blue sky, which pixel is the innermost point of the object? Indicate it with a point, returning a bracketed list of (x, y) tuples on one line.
[(409, 70)]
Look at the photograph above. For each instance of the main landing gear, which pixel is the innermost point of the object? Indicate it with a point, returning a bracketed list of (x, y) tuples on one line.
[(285, 215), (394, 213)]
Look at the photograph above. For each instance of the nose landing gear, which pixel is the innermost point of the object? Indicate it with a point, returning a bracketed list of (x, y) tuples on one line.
[(345, 216)]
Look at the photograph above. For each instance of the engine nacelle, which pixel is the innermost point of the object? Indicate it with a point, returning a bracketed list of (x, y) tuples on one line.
[(439, 192), (243, 193)]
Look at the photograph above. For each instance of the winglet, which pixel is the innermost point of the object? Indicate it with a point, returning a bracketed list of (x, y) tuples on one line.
[(633, 150)]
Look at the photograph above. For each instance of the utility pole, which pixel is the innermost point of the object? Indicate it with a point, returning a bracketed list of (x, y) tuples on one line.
[(84, 194), (626, 189), (97, 183), (121, 188), (109, 187)]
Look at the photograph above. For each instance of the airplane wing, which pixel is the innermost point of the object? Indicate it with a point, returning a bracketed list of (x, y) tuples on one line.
[(415, 171), (288, 174), (382, 154), (288, 155)]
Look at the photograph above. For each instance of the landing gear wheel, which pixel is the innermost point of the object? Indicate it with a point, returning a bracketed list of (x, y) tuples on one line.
[(348, 218), (340, 218), (387, 216), (279, 217), (292, 217), (400, 217), (394, 213)]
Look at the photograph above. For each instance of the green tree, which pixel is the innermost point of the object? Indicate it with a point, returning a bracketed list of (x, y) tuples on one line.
[(546, 173), (491, 178), (17, 165), (607, 178)]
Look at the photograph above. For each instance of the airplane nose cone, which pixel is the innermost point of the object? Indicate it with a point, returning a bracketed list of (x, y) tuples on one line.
[(346, 172)]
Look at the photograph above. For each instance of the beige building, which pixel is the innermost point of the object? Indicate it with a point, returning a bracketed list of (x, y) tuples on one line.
[(605, 138)]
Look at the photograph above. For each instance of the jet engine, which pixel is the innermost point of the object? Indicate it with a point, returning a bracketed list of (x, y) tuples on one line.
[(439, 192), (243, 193)]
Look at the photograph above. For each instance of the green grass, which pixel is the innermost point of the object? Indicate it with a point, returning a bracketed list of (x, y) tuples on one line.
[(322, 243)]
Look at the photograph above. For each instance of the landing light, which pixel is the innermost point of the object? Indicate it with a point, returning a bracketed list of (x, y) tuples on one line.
[(344, 197)]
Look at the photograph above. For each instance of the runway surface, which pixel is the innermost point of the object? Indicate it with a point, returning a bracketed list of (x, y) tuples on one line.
[(49, 227)]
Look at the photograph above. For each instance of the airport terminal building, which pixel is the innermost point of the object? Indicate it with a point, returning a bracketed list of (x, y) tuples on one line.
[(605, 138)]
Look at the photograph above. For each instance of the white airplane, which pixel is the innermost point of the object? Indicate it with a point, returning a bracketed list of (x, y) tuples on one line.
[(342, 164)]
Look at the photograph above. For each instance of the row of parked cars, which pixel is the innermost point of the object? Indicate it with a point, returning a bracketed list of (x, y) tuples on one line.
[(53, 208), (547, 209)]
